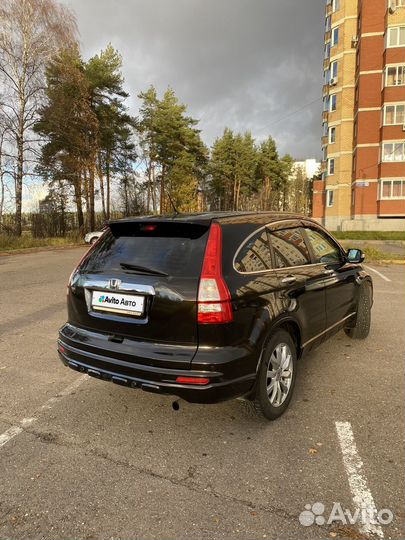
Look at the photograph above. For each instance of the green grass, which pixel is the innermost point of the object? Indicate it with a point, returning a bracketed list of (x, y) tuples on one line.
[(12, 243), (377, 255), (369, 235)]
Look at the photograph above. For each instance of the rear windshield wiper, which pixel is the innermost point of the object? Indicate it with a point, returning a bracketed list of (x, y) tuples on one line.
[(143, 269)]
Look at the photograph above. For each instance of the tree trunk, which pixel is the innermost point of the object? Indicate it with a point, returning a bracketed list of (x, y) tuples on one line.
[(86, 197), (101, 179), (162, 191), (126, 196), (92, 220), (19, 182), (79, 205), (237, 194), (107, 172), (153, 188), (148, 193), (1, 181)]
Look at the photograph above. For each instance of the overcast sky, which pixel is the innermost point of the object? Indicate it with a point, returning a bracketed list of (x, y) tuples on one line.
[(248, 64)]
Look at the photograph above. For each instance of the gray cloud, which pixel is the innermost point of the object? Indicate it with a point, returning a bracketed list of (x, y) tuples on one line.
[(246, 64)]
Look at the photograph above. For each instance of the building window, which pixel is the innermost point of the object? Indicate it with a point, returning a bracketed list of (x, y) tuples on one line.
[(327, 24), (332, 102), (335, 36), (334, 69), (327, 50), (394, 114), (393, 151), (332, 135), (324, 129), (331, 167), (396, 3), (329, 197), (395, 75), (392, 189), (396, 36), (335, 5)]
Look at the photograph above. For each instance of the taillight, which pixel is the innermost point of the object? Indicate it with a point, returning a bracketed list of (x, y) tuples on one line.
[(214, 299)]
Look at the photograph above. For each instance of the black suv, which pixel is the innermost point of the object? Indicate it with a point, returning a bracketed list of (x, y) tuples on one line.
[(212, 306)]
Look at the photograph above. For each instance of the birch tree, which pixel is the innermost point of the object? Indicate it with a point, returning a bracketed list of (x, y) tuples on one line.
[(31, 31)]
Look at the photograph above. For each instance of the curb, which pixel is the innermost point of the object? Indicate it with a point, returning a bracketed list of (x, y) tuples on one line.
[(398, 262)]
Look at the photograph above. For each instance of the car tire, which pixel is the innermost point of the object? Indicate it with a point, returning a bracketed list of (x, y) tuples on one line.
[(363, 319), (272, 395)]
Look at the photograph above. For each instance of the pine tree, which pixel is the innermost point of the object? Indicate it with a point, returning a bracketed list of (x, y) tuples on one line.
[(171, 143), (67, 123)]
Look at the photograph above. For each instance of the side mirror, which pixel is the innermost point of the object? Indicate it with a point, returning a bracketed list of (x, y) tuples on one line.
[(355, 256)]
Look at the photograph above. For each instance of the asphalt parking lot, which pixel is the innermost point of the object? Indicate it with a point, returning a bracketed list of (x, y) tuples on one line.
[(81, 458)]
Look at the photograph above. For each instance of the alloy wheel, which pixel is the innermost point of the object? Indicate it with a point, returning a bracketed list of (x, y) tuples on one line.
[(279, 374)]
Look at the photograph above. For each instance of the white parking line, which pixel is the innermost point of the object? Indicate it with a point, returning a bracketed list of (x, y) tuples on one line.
[(385, 278), (13, 431), (362, 497)]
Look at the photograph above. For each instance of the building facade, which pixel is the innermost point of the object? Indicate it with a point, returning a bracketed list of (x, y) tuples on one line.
[(363, 139), (310, 167)]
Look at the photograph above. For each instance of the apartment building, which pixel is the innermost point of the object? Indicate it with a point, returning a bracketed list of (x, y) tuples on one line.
[(363, 141), (309, 167)]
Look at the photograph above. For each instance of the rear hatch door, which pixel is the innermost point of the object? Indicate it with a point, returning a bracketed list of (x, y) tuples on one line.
[(140, 281)]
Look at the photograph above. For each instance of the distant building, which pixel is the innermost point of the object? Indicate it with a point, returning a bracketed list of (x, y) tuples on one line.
[(363, 142), (310, 167)]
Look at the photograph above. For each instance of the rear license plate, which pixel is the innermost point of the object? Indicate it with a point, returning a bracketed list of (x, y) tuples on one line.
[(125, 304)]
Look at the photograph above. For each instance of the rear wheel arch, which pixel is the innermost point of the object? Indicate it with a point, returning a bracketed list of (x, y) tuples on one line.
[(293, 329), (289, 325)]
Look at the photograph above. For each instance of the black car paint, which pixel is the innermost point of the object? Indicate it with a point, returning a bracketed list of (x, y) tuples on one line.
[(135, 353)]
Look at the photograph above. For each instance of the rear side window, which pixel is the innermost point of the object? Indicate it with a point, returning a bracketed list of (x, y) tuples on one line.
[(325, 250), (254, 256), (289, 248), (176, 249)]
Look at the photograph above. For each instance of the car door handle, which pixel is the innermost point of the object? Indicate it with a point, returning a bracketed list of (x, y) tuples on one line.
[(328, 271), (289, 279)]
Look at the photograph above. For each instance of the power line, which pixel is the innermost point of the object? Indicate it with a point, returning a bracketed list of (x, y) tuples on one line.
[(296, 111)]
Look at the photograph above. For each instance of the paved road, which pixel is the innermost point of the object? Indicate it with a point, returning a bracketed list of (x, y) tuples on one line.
[(81, 458)]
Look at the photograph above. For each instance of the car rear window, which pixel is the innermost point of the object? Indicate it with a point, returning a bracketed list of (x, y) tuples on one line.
[(176, 249)]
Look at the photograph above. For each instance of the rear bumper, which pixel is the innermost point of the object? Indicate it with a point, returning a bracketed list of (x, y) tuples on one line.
[(157, 379)]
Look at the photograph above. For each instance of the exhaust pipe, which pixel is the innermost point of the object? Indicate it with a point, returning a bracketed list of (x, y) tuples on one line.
[(176, 405)]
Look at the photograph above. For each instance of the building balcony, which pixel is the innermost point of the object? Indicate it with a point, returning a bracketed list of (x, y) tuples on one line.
[(323, 166), (328, 36), (325, 89), (325, 115), (328, 9), (324, 140), (326, 63)]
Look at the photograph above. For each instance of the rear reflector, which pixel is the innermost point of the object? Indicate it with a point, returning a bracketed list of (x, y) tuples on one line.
[(192, 380), (214, 299), (61, 349)]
